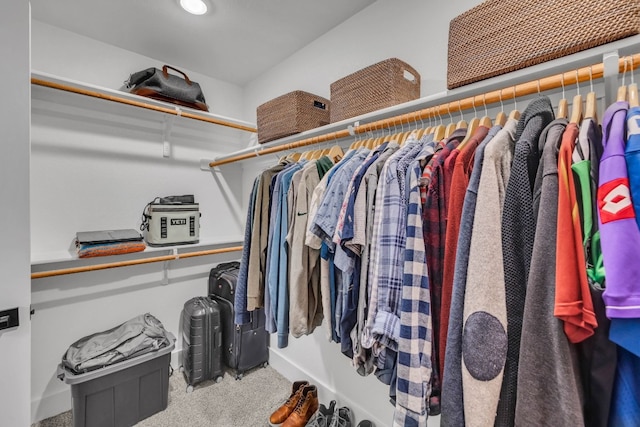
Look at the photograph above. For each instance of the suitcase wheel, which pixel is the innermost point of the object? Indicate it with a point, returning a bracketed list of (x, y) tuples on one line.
[(239, 376), (189, 389), (265, 364), (219, 379)]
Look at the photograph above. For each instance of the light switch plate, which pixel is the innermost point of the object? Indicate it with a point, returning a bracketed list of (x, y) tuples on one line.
[(9, 318)]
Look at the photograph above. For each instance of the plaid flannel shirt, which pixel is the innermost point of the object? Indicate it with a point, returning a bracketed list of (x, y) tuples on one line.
[(434, 223), (414, 346), (385, 269)]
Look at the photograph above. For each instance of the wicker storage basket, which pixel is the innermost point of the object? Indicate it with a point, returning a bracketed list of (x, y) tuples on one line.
[(378, 86), (500, 36), (291, 113)]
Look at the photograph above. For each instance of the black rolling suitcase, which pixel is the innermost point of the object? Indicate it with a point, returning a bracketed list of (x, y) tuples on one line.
[(245, 346), (201, 341)]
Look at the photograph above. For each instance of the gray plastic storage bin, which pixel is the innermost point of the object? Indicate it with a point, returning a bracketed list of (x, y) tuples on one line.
[(122, 394)]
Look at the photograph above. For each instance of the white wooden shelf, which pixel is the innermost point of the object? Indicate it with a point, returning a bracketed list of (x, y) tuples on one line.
[(624, 47), (69, 257), (43, 84)]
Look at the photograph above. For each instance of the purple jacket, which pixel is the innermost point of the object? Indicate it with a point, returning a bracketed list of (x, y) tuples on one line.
[(620, 235)]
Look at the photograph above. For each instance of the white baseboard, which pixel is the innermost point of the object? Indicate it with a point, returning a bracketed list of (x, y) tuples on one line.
[(51, 405), (292, 371)]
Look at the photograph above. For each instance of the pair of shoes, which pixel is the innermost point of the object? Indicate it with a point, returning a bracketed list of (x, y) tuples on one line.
[(366, 423), (298, 408), (342, 417), (322, 417)]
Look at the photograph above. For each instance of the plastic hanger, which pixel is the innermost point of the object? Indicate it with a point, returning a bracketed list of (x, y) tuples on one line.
[(576, 107), (591, 107)]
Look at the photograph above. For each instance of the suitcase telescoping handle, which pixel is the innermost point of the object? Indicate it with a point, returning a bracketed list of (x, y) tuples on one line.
[(166, 73)]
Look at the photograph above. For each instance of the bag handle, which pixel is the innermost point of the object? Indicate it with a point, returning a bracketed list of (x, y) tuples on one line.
[(166, 73)]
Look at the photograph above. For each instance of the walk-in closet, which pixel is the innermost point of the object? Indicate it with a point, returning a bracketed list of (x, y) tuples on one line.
[(417, 227)]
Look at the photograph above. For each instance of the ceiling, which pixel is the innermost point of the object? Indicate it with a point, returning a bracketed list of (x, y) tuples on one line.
[(235, 41)]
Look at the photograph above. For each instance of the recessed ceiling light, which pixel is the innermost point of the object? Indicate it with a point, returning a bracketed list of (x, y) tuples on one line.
[(196, 7)]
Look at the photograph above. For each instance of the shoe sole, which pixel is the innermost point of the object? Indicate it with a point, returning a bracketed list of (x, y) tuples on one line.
[(275, 425)]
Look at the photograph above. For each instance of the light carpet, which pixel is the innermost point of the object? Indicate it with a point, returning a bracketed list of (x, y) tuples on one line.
[(230, 403)]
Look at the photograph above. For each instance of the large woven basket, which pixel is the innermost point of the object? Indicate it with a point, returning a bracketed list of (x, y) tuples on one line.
[(291, 113), (378, 86), (500, 36)]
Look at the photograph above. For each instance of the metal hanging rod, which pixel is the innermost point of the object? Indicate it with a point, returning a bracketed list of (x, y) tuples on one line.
[(555, 81), (173, 257), (114, 98)]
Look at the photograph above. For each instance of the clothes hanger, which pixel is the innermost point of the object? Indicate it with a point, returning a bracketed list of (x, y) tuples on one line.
[(439, 130), (515, 113), (563, 104), (462, 124), (591, 107), (633, 90), (473, 125), (622, 90), (501, 118), (485, 120), (451, 127), (576, 107)]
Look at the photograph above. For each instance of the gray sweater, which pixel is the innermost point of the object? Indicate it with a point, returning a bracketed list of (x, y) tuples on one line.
[(484, 341), (549, 390), (452, 411)]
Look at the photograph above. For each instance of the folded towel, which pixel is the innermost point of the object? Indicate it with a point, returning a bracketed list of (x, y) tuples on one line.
[(105, 249)]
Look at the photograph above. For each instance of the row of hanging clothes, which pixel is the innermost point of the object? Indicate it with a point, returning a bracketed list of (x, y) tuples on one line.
[(486, 271)]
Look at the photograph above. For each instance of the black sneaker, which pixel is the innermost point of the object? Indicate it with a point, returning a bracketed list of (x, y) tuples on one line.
[(322, 417)]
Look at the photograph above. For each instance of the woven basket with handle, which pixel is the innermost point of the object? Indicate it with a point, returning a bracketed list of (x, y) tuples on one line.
[(378, 86), (500, 36), (291, 113)]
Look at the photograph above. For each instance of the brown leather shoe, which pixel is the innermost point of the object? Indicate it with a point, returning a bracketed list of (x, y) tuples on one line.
[(305, 408), (283, 412)]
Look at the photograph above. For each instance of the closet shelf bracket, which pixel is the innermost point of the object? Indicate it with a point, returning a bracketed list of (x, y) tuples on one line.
[(165, 267), (611, 68), (167, 127)]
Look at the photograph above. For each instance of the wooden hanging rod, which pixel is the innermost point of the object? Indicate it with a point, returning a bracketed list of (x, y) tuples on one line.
[(528, 88), (63, 271), (114, 98)]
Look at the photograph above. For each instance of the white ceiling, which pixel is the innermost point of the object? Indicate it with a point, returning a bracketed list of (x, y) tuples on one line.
[(235, 41)]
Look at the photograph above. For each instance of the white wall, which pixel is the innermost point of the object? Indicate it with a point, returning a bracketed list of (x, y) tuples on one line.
[(15, 345), (95, 165), (63, 53), (414, 31)]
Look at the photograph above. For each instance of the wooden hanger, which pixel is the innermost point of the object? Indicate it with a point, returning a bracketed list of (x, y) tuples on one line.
[(335, 153), (451, 127), (633, 95), (462, 124), (576, 110), (576, 107), (563, 104), (515, 113), (501, 118), (633, 89), (591, 107), (473, 125)]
